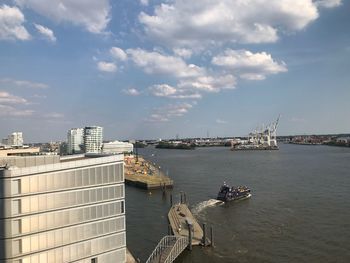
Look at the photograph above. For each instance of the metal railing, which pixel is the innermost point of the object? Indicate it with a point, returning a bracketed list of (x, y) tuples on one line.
[(168, 249)]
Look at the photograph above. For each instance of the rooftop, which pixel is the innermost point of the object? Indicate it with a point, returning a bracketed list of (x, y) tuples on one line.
[(26, 165)]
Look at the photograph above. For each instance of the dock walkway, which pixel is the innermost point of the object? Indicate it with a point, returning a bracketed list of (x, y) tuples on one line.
[(179, 216), (186, 233)]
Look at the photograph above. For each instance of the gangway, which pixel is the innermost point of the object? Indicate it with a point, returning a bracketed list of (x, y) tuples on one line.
[(168, 249)]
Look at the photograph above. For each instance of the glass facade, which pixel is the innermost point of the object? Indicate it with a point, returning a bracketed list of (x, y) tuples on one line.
[(64, 215), (75, 140), (93, 137)]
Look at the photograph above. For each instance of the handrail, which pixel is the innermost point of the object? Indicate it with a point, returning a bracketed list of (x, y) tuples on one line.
[(179, 246), (171, 245)]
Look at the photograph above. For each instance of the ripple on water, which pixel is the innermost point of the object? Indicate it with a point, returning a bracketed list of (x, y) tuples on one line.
[(298, 212)]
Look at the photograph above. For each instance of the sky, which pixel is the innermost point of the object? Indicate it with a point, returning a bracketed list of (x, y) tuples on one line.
[(149, 69)]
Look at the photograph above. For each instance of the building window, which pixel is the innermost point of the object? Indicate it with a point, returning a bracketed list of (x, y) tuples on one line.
[(94, 260), (16, 227), (16, 247), (16, 187), (122, 207), (16, 207)]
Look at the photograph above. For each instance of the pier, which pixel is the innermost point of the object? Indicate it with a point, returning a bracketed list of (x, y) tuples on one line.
[(181, 221), (184, 232), (143, 174)]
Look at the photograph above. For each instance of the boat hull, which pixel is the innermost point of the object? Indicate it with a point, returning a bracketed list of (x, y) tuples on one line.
[(227, 194), (229, 199)]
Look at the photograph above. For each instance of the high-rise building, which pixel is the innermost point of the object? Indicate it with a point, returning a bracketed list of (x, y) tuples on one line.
[(15, 139), (58, 210), (93, 137), (75, 140)]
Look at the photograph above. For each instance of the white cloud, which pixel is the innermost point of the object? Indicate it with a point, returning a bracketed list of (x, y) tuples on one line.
[(156, 63), (93, 15), (162, 90), (106, 66), (39, 96), (198, 23), (156, 118), (144, 2), (8, 98), (183, 52), (118, 53), (9, 111), (11, 24), (132, 92), (219, 121), (328, 3), (253, 66), (23, 83), (54, 115), (209, 83), (46, 32), (167, 91), (191, 79), (177, 110), (181, 94), (164, 114)]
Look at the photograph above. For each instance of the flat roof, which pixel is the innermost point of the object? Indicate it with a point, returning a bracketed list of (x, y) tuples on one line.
[(40, 164)]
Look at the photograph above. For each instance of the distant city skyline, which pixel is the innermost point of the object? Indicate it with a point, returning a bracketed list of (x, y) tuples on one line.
[(153, 69)]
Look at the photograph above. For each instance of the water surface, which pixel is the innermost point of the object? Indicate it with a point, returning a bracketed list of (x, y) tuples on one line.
[(299, 211)]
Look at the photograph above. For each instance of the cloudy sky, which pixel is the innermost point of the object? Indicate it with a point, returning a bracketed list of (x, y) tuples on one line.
[(157, 69)]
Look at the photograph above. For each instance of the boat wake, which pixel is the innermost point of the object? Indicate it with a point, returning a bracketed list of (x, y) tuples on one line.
[(202, 205)]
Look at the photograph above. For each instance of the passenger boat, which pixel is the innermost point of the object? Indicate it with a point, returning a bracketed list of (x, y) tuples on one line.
[(227, 193)]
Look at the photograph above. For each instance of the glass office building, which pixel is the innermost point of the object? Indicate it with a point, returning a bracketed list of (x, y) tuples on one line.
[(62, 210), (93, 138), (75, 140)]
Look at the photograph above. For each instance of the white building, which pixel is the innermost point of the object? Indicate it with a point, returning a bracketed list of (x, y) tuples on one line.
[(75, 140), (93, 137), (117, 147), (62, 210), (15, 139), (343, 139)]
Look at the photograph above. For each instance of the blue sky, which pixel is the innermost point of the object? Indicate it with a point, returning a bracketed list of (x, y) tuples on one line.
[(156, 69)]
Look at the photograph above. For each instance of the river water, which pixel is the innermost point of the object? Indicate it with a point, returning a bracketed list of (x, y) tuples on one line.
[(299, 210)]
